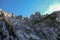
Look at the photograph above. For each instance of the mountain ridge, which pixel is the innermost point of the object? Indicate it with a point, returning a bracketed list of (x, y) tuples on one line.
[(37, 27)]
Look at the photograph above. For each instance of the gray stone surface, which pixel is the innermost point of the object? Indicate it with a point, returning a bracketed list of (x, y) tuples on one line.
[(36, 27)]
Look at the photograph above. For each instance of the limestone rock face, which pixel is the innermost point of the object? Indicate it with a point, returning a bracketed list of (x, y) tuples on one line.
[(36, 27)]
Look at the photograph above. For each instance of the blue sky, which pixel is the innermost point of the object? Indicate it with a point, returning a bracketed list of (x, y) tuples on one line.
[(28, 7)]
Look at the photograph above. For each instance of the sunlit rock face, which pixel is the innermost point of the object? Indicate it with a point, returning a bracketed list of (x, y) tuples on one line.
[(37, 27)]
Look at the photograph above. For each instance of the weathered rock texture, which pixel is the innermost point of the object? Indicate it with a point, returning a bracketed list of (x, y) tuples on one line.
[(37, 27)]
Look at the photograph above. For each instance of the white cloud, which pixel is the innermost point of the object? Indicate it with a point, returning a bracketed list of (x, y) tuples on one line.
[(53, 7)]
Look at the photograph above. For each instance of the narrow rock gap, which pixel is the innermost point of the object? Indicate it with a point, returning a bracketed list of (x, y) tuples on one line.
[(1, 35)]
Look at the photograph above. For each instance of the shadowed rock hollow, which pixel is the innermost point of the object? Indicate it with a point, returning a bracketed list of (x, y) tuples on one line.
[(37, 27)]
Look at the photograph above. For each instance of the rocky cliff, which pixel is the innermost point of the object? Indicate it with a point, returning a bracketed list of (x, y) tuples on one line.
[(37, 27)]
